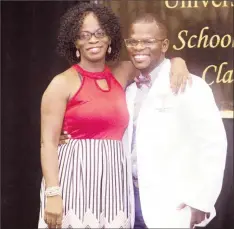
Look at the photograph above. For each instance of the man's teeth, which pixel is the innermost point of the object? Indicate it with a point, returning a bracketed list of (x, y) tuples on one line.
[(140, 57)]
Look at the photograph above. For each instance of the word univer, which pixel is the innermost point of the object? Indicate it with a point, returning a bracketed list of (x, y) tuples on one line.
[(197, 3), (203, 41), (222, 76)]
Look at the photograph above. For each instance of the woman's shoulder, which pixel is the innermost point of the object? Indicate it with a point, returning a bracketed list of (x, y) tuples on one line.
[(66, 74), (64, 77), (62, 81)]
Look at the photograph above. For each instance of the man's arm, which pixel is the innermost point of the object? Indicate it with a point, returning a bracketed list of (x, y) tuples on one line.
[(64, 137), (210, 145)]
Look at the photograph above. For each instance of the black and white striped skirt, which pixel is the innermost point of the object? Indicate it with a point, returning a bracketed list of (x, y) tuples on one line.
[(95, 185)]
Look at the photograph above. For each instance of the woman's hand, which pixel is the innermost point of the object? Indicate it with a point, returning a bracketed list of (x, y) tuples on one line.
[(54, 211), (180, 75)]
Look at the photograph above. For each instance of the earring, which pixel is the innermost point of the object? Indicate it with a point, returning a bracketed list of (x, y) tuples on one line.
[(109, 50), (77, 53)]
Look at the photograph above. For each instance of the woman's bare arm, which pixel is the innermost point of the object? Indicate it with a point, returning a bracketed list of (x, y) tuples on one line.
[(125, 72), (53, 106)]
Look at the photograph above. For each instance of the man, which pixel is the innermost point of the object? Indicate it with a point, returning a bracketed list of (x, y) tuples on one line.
[(179, 142)]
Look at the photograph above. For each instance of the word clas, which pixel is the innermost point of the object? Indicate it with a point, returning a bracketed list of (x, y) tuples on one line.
[(222, 75)]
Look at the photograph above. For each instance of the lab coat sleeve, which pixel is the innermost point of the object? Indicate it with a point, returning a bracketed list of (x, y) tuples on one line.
[(210, 146)]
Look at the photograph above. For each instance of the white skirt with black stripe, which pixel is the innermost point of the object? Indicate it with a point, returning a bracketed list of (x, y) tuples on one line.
[(95, 186)]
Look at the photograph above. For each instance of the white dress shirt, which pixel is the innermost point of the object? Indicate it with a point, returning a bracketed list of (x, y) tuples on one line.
[(140, 96)]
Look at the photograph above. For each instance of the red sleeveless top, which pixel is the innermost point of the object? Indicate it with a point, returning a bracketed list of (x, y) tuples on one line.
[(94, 113)]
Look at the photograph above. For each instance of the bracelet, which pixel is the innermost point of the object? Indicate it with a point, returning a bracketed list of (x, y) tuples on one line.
[(53, 191)]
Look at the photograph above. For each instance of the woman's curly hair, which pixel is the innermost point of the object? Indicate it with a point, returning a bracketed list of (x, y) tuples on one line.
[(72, 21)]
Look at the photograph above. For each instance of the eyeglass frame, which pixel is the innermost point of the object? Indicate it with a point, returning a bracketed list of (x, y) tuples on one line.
[(92, 34), (155, 40)]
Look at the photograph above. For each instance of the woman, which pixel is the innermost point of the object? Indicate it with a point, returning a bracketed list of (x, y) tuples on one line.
[(85, 182)]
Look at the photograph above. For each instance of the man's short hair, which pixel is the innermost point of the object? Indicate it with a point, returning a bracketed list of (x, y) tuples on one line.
[(149, 18)]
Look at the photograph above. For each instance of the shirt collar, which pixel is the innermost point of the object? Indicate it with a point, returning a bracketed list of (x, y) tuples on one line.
[(154, 73)]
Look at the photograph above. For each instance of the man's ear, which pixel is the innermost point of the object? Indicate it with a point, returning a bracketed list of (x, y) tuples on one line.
[(165, 45)]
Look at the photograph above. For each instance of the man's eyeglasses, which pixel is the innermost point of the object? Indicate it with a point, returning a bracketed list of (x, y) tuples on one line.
[(86, 35), (148, 43)]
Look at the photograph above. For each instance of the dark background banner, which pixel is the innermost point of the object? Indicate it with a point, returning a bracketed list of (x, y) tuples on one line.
[(29, 61), (201, 32)]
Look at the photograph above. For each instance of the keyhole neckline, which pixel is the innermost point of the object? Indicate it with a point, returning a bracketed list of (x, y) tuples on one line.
[(105, 74)]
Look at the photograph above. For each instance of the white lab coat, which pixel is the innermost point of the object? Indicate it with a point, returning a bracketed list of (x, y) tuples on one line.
[(181, 151)]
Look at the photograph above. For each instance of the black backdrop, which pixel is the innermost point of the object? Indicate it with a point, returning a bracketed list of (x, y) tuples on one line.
[(29, 61)]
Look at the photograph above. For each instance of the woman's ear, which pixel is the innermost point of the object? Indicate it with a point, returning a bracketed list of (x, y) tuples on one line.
[(76, 43), (109, 41)]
